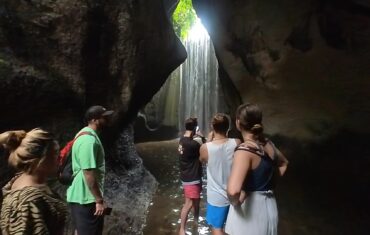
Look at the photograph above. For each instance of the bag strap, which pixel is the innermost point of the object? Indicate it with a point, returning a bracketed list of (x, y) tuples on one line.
[(80, 134)]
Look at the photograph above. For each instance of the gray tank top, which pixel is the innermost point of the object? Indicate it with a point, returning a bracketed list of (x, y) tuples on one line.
[(220, 158)]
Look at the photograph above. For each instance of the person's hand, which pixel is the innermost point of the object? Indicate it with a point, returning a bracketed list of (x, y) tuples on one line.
[(99, 208), (199, 133), (242, 196)]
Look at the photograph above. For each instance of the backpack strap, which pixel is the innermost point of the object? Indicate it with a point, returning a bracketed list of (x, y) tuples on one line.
[(82, 133)]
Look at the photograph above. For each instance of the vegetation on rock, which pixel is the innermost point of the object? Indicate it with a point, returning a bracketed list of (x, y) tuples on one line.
[(184, 18)]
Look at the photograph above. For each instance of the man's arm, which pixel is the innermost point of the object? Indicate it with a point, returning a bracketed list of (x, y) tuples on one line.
[(86, 157), (93, 185)]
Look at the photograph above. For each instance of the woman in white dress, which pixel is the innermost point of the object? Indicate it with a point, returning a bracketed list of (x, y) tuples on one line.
[(250, 187)]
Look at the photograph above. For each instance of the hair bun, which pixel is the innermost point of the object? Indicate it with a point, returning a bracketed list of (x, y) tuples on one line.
[(12, 139), (257, 128)]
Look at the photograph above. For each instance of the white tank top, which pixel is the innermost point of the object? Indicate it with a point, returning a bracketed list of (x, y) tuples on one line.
[(220, 158)]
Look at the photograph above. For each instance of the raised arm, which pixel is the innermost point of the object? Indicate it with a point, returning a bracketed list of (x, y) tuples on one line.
[(210, 136), (241, 166), (203, 153), (282, 162)]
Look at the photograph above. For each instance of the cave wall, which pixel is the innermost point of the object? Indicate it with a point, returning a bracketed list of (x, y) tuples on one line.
[(305, 62), (59, 57)]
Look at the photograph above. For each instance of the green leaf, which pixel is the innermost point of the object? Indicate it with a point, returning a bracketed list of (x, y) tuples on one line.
[(183, 18)]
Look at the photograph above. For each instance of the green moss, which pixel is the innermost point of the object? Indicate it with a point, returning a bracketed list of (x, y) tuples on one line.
[(184, 18)]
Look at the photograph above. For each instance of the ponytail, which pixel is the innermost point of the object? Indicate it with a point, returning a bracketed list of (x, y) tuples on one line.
[(12, 139)]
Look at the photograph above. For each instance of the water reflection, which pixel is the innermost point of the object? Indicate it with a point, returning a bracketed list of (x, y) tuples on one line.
[(164, 212), (316, 204)]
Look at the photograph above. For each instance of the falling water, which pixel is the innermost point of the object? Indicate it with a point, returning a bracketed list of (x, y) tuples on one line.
[(193, 89), (199, 83)]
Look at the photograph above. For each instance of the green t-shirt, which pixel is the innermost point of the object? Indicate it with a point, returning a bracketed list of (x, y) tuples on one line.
[(87, 153)]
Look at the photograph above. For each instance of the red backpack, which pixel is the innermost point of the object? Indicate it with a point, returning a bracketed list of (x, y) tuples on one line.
[(65, 171)]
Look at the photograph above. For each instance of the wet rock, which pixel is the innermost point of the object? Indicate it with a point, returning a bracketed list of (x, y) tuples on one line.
[(59, 57), (71, 54), (304, 62), (129, 188)]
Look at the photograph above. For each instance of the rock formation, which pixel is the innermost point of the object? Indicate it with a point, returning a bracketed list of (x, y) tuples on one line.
[(306, 63), (59, 57)]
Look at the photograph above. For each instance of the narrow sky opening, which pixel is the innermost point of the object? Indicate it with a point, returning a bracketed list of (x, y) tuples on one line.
[(198, 31)]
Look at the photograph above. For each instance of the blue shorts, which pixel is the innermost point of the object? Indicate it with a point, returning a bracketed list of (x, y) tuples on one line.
[(216, 216)]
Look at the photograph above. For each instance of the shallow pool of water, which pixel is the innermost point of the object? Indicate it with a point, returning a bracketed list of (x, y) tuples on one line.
[(164, 212), (305, 207)]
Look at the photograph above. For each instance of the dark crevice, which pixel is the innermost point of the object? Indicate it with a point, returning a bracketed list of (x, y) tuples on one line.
[(300, 38), (344, 24), (95, 56), (231, 94)]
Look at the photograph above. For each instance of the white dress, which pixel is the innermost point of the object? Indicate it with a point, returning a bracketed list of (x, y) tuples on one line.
[(258, 215)]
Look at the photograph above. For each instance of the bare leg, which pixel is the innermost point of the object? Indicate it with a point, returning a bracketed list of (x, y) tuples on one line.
[(184, 215), (196, 202), (218, 232)]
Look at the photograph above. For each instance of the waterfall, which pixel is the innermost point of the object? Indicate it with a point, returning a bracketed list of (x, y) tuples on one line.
[(199, 82), (192, 90)]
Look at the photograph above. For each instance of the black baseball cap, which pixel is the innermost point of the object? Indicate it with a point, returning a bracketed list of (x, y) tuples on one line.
[(96, 112)]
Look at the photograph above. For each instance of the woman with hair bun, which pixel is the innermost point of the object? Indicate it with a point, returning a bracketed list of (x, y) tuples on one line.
[(250, 186), (29, 206)]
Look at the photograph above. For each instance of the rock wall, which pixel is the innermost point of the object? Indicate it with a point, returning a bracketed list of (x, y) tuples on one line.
[(305, 62), (59, 57)]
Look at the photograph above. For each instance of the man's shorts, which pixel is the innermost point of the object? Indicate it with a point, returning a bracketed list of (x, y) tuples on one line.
[(216, 216), (84, 220), (192, 191)]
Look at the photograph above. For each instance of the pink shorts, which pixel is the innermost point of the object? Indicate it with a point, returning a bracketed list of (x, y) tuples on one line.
[(192, 191)]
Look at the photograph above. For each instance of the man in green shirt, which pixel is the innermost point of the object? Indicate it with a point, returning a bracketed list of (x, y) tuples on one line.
[(85, 194)]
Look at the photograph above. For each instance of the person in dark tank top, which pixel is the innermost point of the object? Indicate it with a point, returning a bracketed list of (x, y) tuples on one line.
[(250, 185)]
